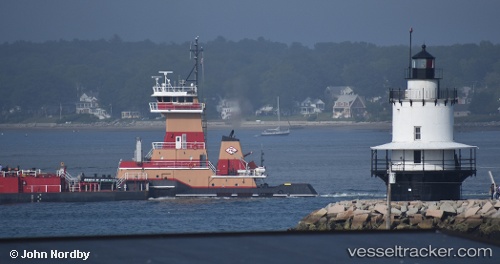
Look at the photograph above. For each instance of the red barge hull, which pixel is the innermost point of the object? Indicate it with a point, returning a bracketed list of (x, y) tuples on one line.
[(31, 186)]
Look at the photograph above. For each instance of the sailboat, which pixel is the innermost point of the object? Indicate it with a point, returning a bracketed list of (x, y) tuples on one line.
[(276, 131)]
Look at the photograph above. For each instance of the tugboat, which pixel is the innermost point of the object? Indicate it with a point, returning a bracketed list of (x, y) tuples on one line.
[(179, 165)]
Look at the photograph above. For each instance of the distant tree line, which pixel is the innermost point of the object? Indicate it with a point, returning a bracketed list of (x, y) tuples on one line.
[(42, 78)]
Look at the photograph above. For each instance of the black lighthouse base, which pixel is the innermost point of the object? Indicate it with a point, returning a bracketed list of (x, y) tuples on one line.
[(426, 191), (427, 185)]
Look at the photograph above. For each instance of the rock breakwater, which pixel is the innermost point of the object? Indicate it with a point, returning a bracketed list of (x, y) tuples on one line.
[(478, 217)]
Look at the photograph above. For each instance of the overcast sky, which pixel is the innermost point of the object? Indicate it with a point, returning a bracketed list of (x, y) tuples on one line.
[(382, 22)]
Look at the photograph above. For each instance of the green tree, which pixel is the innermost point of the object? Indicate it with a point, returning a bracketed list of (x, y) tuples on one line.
[(484, 103)]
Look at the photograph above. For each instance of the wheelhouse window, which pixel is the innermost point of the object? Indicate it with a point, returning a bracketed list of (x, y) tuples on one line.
[(417, 133)]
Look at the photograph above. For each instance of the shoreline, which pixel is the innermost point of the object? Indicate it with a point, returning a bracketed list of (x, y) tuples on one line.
[(145, 125), (149, 125)]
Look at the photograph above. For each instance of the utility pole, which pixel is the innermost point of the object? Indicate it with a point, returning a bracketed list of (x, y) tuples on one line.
[(491, 177), (391, 178)]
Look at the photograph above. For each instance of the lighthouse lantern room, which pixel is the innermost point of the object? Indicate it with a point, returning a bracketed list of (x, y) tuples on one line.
[(427, 162)]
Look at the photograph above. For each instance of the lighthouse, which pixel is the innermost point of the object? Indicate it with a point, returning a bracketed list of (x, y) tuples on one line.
[(423, 162)]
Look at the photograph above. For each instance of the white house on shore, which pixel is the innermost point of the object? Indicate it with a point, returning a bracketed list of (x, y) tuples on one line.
[(228, 109), (349, 106), (89, 105), (131, 115), (309, 106)]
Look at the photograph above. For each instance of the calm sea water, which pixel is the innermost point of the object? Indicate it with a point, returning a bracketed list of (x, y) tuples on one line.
[(335, 160)]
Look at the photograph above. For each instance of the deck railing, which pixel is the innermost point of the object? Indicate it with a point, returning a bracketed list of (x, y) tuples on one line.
[(166, 106), (45, 188), (135, 176), (17, 173), (464, 163), (184, 145), (184, 164), (174, 89), (446, 94)]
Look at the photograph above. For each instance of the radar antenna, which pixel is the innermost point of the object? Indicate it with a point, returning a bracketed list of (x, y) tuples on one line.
[(165, 73), (156, 78)]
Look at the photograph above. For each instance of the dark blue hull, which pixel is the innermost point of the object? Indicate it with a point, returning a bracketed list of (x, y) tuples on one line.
[(9, 198), (161, 188), (167, 188)]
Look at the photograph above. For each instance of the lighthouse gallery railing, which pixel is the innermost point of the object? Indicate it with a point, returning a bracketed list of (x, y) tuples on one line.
[(380, 164)]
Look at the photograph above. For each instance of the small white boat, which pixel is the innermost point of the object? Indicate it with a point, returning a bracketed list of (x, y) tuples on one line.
[(276, 131)]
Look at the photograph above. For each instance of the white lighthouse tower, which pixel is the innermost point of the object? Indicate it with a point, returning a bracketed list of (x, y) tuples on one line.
[(427, 163)]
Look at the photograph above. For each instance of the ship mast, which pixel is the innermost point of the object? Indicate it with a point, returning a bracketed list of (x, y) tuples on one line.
[(197, 52)]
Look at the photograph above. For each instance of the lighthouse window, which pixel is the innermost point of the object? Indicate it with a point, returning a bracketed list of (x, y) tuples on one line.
[(430, 63), (417, 133), (419, 63)]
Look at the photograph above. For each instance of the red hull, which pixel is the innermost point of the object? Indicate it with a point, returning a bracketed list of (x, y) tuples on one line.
[(31, 184)]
